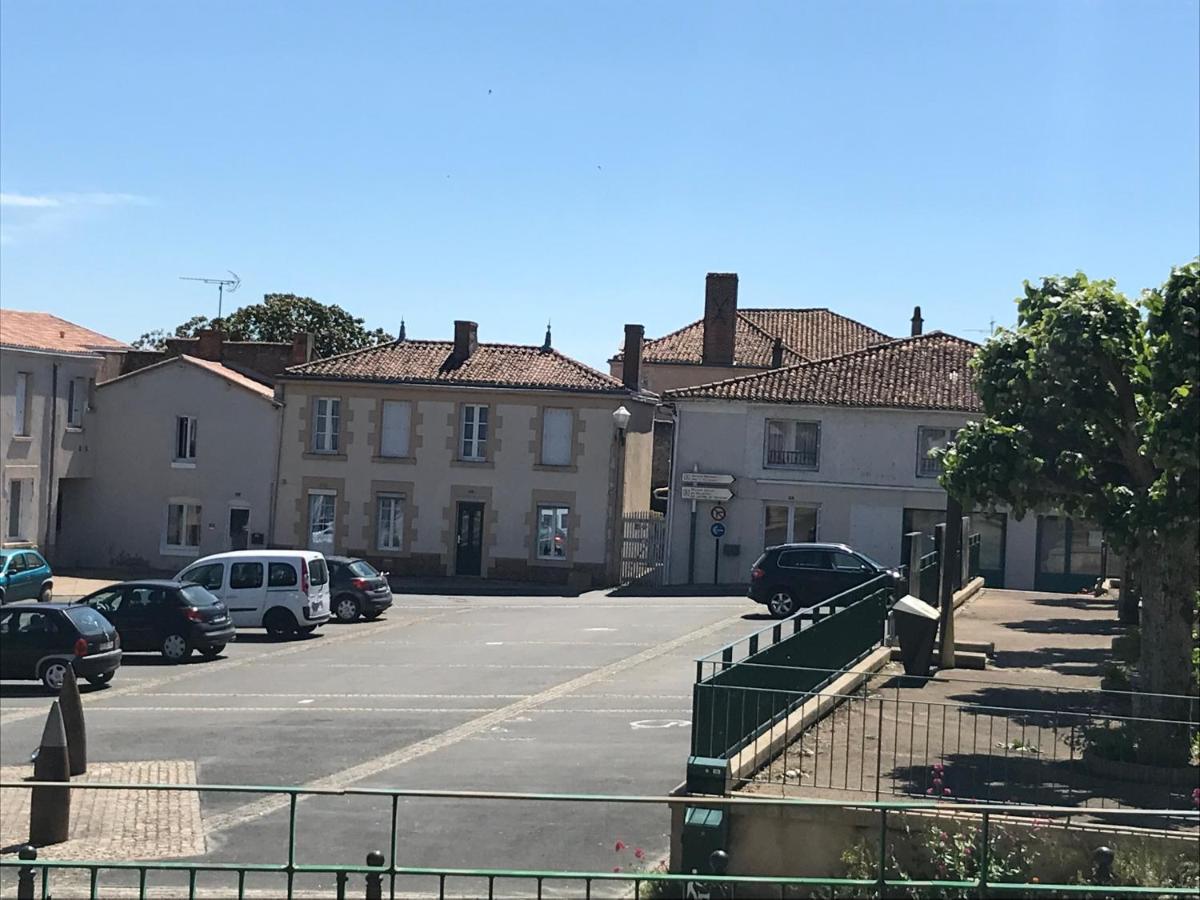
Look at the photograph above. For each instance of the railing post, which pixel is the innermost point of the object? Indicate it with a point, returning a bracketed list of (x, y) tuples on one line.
[(25, 875), (374, 879), (881, 881), (985, 854), (879, 749)]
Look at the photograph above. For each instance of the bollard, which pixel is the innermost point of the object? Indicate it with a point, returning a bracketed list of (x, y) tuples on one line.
[(25, 885), (1103, 873), (72, 713), (50, 807), (374, 879)]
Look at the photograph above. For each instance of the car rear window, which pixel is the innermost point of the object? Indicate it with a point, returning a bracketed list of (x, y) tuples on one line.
[(198, 596), (281, 574), (804, 559), (362, 569), (317, 573), (87, 620)]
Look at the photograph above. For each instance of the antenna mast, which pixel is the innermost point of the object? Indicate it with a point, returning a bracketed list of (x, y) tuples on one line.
[(222, 283)]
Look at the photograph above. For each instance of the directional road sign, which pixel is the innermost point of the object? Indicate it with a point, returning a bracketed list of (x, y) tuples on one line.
[(699, 492)]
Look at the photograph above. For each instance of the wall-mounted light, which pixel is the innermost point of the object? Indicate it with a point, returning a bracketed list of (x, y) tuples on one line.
[(621, 417)]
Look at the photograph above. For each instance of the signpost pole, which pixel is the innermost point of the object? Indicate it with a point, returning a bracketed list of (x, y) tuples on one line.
[(716, 559), (692, 547)]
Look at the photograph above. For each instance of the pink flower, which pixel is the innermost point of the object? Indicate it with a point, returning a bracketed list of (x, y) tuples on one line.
[(619, 847), (945, 792), (616, 868), (639, 853), (929, 792)]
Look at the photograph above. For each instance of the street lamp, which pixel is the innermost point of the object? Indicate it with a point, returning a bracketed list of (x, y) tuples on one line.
[(621, 417)]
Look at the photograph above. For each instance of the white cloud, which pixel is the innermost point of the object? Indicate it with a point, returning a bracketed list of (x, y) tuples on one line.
[(27, 215), (50, 201), (28, 200)]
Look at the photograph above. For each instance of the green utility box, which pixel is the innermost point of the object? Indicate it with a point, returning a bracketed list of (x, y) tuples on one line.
[(704, 831), (707, 775)]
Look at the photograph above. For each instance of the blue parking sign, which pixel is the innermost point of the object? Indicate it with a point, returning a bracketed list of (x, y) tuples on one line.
[(717, 529)]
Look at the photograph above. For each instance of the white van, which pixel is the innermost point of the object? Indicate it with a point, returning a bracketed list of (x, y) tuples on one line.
[(283, 591)]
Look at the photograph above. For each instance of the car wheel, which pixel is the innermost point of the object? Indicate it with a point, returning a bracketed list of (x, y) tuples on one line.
[(345, 608), (279, 622), (373, 615), (99, 680), (305, 629), (47, 594), (53, 674), (212, 651), (781, 603), (175, 648)]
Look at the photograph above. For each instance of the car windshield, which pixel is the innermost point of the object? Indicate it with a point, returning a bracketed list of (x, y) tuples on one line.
[(362, 569), (317, 573), (198, 596), (87, 620)]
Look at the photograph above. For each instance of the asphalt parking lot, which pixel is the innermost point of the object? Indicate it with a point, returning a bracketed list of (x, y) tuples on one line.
[(589, 694)]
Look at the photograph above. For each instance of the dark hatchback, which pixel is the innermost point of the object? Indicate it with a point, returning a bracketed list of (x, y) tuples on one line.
[(39, 641), (792, 577), (356, 589), (171, 617)]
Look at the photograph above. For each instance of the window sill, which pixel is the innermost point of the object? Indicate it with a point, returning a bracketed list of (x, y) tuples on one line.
[(179, 551), (473, 463), (816, 468), (543, 467), (182, 464), (74, 429), (401, 460), (22, 438), (550, 563), (322, 454)]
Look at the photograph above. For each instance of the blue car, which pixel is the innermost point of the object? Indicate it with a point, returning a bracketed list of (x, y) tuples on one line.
[(25, 575)]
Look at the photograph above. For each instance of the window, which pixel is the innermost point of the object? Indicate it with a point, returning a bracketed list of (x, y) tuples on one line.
[(16, 494), (106, 601), (552, 532), (144, 598), (474, 432), (76, 401), (16, 563), (318, 572), (327, 414), (844, 562), (321, 508), (389, 534), (929, 439), (804, 559), (281, 575), (397, 422), (194, 595), (245, 575), (208, 576), (789, 524), (86, 621), (792, 444), (185, 438), (21, 405), (183, 526), (557, 426)]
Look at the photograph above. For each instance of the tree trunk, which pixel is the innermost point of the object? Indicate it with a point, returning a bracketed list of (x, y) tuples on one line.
[(1131, 592), (1169, 573)]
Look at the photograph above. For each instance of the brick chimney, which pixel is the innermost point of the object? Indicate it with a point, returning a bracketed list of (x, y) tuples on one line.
[(777, 353), (208, 344), (302, 348), (466, 338), (720, 318), (631, 362), (917, 321)]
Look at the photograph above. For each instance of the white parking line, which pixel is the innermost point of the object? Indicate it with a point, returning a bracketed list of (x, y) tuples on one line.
[(364, 709)]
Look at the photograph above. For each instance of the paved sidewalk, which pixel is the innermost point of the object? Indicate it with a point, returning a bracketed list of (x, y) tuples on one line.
[(70, 587)]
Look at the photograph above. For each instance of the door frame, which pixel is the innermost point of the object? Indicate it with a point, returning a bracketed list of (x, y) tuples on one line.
[(458, 514), (228, 523)]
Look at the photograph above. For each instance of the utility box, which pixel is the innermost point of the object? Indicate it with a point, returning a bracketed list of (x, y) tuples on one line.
[(707, 775), (704, 831), (916, 626)]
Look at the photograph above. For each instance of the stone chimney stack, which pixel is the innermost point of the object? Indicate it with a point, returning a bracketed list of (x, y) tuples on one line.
[(208, 344), (302, 348), (917, 322), (720, 318), (466, 339), (631, 361), (777, 353)]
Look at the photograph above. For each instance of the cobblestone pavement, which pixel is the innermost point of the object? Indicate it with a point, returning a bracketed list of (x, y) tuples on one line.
[(117, 825)]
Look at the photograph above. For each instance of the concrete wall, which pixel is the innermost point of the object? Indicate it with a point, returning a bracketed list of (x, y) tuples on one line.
[(659, 377), (119, 520), (52, 450), (866, 477), (510, 483)]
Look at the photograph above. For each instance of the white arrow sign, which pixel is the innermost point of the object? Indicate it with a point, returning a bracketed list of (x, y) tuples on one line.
[(705, 478), (696, 492)]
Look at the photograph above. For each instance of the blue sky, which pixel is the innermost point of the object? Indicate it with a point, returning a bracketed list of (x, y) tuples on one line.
[(588, 163)]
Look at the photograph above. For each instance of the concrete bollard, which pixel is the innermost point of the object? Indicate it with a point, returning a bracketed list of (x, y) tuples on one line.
[(25, 874), (72, 712), (374, 879), (50, 807)]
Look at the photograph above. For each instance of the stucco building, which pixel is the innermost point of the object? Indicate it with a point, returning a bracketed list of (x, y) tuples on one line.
[(49, 369), (838, 450), (185, 454), (464, 458)]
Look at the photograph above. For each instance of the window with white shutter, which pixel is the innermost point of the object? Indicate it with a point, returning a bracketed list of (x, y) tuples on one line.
[(557, 425), (397, 421), (21, 405)]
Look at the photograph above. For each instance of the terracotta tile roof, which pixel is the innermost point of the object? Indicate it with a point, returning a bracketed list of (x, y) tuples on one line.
[(925, 372), (433, 362), (42, 331), (807, 334), (215, 368)]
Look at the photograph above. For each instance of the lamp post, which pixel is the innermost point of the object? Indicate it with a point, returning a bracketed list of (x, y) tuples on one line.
[(621, 417)]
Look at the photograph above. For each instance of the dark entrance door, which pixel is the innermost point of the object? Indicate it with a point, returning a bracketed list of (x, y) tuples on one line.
[(239, 523), (468, 557)]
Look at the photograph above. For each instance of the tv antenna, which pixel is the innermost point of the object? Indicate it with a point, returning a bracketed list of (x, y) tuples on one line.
[(223, 284), (991, 329)]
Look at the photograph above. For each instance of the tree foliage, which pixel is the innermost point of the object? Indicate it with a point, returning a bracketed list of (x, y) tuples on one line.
[(277, 319), (1091, 408)]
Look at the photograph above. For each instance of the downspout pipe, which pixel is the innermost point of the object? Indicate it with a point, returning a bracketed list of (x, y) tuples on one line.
[(51, 451)]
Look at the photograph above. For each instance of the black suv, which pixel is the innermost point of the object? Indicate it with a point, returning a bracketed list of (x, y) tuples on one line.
[(172, 617), (356, 589), (792, 577), (39, 641)]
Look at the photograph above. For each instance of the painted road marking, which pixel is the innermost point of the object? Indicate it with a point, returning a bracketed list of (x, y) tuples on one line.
[(446, 710), (660, 723), (264, 806)]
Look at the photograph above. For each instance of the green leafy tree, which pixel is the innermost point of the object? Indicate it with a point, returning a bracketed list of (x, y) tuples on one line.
[(157, 340), (1091, 408), (280, 316)]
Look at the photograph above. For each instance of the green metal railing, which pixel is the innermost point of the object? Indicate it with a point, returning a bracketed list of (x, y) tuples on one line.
[(928, 576), (38, 877)]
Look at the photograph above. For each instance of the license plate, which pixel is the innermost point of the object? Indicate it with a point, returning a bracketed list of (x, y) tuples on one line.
[(220, 620), (107, 645)]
